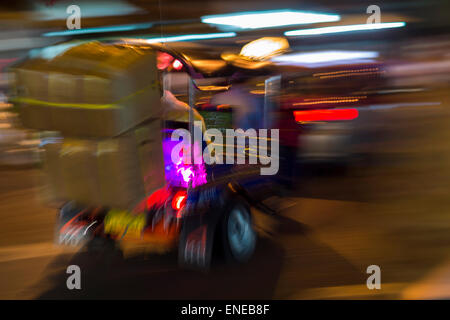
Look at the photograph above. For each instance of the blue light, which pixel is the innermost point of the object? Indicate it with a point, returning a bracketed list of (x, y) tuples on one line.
[(128, 27), (349, 28), (324, 58), (269, 19), (189, 37)]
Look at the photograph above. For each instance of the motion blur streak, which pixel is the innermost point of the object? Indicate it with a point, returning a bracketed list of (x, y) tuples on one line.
[(324, 57), (191, 37), (344, 71), (324, 101), (129, 27), (255, 20), (363, 112), (349, 28), (325, 115), (264, 48), (350, 74)]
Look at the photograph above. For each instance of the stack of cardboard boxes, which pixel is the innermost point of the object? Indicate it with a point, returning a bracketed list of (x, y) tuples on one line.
[(104, 100)]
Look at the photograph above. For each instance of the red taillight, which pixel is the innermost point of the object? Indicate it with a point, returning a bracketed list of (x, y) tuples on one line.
[(179, 200), (157, 198), (325, 115)]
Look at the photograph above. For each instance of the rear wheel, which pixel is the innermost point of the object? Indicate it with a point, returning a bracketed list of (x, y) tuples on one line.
[(238, 234)]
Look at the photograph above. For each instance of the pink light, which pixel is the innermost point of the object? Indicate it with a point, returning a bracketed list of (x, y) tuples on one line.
[(164, 60)]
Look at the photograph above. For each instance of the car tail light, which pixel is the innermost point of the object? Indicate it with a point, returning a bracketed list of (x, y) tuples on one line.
[(325, 115)]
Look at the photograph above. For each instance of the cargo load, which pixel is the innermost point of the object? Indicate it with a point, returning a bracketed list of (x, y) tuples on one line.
[(90, 90), (114, 172)]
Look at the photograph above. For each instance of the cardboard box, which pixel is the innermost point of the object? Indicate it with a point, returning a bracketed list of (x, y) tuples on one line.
[(54, 187), (150, 151), (91, 90), (79, 170), (115, 172)]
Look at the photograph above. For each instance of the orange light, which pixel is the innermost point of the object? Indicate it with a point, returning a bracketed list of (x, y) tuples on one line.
[(223, 106), (325, 115), (325, 101), (344, 71)]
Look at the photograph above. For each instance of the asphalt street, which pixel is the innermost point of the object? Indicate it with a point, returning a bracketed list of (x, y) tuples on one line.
[(392, 211)]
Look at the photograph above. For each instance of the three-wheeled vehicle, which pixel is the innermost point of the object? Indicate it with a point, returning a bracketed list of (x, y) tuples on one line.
[(197, 207)]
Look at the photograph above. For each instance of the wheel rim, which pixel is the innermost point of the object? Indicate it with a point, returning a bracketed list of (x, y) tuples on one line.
[(241, 236)]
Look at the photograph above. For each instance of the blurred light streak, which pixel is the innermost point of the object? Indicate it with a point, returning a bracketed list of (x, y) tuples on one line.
[(188, 37), (257, 91), (349, 74), (402, 104), (343, 71), (324, 102), (128, 27), (158, 197), (265, 47), (349, 28), (325, 115), (5, 62), (268, 19), (52, 51), (21, 43), (335, 98), (324, 57)]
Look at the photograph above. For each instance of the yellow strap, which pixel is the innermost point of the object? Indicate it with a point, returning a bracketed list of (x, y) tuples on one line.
[(153, 84), (60, 104)]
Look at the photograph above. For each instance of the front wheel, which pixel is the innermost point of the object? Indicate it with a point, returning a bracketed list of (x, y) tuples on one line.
[(239, 236)]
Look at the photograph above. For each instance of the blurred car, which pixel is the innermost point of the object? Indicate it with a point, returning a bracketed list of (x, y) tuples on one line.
[(329, 105)]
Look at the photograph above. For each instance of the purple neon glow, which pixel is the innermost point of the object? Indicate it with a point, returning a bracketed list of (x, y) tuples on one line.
[(181, 174), (186, 173)]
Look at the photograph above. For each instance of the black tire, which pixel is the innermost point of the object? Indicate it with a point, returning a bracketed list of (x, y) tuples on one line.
[(238, 234)]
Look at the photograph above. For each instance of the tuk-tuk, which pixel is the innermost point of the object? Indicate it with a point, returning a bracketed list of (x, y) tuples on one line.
[(107, 148)]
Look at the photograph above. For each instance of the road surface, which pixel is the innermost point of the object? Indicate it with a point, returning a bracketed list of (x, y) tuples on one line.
[(393, 212)]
